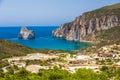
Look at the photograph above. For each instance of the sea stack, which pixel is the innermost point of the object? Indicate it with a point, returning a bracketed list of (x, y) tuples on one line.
[(26, 34)]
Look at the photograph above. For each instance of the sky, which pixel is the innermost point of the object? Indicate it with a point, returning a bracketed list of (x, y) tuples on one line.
[(46, 12)]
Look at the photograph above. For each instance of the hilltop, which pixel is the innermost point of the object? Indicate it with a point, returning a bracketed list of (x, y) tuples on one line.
[(106, 10)]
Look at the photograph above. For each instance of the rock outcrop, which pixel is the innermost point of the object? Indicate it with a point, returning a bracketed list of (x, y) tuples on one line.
[(26, 34), (87, 24)]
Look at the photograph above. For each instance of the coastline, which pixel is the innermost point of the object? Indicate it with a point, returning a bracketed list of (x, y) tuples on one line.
[(44, 38)]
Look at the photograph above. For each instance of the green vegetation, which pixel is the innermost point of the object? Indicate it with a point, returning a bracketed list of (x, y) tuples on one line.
[(3, 63), (105, 62), (108, 37), (105, 11), (111, 72), (38, 62), (53, 74), (10, 49)]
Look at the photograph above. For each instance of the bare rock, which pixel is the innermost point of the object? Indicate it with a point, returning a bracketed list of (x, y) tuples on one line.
[(26, 34)]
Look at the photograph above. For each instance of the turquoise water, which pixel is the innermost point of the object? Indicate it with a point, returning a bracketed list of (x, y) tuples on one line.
[(44, 38)]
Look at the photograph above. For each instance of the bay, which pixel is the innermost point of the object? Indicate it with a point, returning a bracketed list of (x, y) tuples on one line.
[(44, 38)]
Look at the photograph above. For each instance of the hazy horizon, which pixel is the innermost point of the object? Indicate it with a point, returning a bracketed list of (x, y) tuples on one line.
[(44, 12)]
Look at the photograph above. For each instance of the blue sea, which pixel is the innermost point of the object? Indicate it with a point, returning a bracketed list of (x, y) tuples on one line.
[(44, 38)]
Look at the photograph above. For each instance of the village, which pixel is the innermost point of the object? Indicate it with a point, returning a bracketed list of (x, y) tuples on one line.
[(105, 56)]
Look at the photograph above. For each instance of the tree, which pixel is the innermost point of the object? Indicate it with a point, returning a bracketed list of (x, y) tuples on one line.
[(10, 71), (110, 72)]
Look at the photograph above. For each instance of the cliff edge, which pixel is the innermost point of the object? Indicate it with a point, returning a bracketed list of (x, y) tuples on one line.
[(83, 28)]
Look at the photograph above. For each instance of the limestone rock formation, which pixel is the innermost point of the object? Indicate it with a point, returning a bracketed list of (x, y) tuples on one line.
[(88, 23), (26, 34)]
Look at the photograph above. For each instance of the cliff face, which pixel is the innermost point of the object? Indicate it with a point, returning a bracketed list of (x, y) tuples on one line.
[(26, 34), (84, 26)]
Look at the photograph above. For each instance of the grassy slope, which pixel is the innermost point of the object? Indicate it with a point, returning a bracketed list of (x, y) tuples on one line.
[(109, 36), (104, 11), (9, 49)]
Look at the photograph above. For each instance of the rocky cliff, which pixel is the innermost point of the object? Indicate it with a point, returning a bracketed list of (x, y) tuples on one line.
[(84, 27), (26, 34)]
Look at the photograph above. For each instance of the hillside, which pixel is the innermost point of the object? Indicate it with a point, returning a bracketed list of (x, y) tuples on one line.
[(9, 49), (108, 37), (107, 10), (85, 25)]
